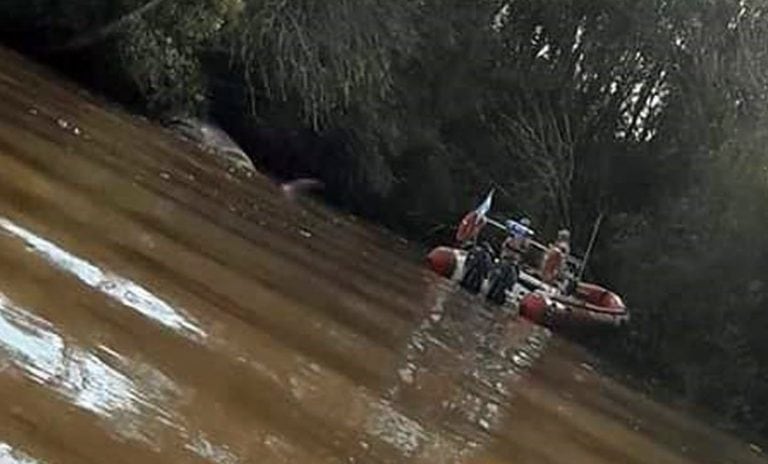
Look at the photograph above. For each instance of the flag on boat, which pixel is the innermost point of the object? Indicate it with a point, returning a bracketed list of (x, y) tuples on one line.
[(474, 221), (485, 206)]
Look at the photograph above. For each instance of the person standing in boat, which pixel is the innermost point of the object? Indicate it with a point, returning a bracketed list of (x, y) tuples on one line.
[(563, 242), (553, 266), (517, 242), (567, 279)]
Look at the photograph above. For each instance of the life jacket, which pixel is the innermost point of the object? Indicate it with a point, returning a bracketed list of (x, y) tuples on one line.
[(552, 264)]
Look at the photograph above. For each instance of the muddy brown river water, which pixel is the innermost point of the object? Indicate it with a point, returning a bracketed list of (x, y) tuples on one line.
[(158, 307)]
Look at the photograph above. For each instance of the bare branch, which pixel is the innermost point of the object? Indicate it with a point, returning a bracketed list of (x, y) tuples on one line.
[(92, 37)]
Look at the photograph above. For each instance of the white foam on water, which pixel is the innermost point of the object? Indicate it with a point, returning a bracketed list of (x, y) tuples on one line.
[(30, 343), (10, 455), (43, 355), (124, 291)]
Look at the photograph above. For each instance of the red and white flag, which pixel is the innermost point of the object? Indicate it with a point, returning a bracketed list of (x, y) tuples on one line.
[(474, 221)]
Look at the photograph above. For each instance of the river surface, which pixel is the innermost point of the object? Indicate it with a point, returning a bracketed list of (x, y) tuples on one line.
[(157, 306)]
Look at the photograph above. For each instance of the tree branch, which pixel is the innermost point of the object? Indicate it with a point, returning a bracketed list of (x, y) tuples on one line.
[(92, 37)]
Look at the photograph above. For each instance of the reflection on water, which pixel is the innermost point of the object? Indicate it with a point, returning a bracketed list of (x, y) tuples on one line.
[(9, 455), (394, 428), (121, 289), (32, 345), (455, 379), (136, 404), (213, 453)]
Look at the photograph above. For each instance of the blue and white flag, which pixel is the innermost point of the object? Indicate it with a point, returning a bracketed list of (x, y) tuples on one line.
[(485, 206)]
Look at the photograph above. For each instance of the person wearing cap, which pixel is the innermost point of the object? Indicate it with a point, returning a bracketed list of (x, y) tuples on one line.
[(563, 241)]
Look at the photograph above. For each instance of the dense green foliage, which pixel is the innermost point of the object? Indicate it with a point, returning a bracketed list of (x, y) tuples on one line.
[(652, 112)]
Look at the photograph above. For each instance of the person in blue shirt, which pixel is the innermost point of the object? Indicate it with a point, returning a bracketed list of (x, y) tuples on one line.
[(517, 242)]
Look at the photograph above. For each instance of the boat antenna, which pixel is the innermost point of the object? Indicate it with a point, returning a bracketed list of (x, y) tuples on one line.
[(592, 239)]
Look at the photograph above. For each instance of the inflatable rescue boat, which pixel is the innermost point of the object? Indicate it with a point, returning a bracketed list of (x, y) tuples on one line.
[(588, 304), (537, 296)]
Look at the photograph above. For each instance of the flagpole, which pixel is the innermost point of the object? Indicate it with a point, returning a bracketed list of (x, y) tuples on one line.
[(482, 211), (592, 239)]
